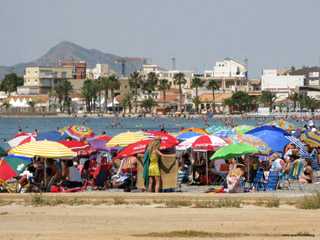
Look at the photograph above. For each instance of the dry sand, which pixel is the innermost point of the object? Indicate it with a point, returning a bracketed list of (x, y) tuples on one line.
[(109, 221)]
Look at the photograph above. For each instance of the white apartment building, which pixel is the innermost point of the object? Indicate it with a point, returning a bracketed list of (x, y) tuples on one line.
[(227, 68), (101, 70)]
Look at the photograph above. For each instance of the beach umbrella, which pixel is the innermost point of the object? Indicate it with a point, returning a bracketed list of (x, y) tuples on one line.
[(252, 140), (187, 135), (186, 144), (233, 151), (140, 147), (242, 128), (82, 149), (164, 136), (215, 128), (125, 139), (207, 142), (107, 138), (223, 133), (283, 124), (12, 166), (311, 137), (22, 138), (299, 145), (3, 152), (275, 139), (78, 131), (47, 149), (100, 145), (198, 130), (298, 133), (51, 136), (270, 129)]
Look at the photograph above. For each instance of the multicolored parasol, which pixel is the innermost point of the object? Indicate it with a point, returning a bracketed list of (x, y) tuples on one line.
[(12, 166), (125, 139), (207, 142), (223, 133), (198, 130), (78, 131), (82, 149), (283, 124), (242, 128), (22, 138), (215, 128), (312, 138)]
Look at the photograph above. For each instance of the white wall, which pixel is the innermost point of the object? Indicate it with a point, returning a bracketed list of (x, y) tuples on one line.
[(270, 80), (229, 68)]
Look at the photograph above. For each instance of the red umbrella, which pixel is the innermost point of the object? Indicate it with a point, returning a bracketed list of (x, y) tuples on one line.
[(140, 147), (103, 137), (82, 149), (22, 138), (164, 136), (209, 142)]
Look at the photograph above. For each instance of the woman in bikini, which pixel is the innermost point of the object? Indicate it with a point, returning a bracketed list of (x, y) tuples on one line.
[(234, 179), (307, 176)]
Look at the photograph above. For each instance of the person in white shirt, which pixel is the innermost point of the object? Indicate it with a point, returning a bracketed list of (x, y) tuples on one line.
[(71, 174)]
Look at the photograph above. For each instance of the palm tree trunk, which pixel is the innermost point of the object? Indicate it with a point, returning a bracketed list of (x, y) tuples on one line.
[(136, 96), (112, 96), (180, 93), (164, 98), (106, 100), (213, 107), (100, 101)]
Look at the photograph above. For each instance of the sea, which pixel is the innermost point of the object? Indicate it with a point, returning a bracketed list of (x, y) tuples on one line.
[(9, 126)]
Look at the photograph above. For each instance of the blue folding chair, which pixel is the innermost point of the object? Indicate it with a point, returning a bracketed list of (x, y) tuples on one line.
[(272, 182), (258, 182), (294, 173)]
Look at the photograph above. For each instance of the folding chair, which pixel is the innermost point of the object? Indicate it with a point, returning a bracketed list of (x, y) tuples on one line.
[(315, 165), (294, 173), (220, 177), (272, 182), (101, 174), (258, 182)]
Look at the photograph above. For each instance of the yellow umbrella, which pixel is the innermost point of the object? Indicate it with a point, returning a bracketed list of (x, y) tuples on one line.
[(125, 139), (47, 149), (198, 130), (282, 124)]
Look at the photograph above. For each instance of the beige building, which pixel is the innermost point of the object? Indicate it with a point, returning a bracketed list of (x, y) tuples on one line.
[(41, 80)]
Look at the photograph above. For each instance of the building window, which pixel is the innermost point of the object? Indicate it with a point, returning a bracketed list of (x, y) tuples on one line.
[(63, 74), (36, 80), (125, 86)]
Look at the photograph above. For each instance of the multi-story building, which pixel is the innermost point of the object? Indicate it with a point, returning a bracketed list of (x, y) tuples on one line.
[(78, 73), (41, 80), (101, 70)]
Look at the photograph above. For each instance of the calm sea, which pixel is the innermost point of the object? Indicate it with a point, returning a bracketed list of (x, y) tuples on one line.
[(9, 126)]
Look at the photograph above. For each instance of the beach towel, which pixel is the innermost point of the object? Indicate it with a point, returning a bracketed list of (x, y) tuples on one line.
[(146, 163), (234, 185)]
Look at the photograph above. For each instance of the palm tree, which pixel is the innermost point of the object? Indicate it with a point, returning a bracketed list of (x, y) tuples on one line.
[(101, 87), (135, 83), (114, 85), (163, 86), (196, 101), (32, 104), (124, 104), (95, 88), (105, 83), (179, 80), (294, 97), (149, 103), (86, 92), (302, 100), (128, 98), (229, 102), (213, 86), (268, 97), (280, 106), (196, 83), (66, 89), (59, 93), (150, 84)]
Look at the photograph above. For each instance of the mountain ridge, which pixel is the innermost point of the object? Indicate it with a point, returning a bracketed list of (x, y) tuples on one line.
[(66, 51)]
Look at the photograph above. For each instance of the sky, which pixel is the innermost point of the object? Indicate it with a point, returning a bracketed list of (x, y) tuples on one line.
[(271, 33)]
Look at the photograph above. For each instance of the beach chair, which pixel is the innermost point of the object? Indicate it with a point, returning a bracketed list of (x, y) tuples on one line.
[(101, 174), (315, 165), (272, 182), (294, 173), (220, 177), (181, 175), (258, 182)]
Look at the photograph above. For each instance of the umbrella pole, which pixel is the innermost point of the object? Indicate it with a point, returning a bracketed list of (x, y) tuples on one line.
[(45, 174), (207, 166)]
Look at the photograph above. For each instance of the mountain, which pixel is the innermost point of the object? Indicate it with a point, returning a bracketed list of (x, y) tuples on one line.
[(66, 52)]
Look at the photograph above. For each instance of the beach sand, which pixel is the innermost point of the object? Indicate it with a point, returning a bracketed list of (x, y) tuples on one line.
[(110, 221)]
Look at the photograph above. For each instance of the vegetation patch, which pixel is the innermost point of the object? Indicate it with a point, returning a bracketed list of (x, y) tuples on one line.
[(274, 202), (309, 202), (119, 201)]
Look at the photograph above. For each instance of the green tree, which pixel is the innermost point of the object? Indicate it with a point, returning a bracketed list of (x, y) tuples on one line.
[(294, 97), (163, 86), (59, 94), (32, 104), (280, 106), (149, 103), (135, 83), (268, 97), (229, 102), (179, 80), (240, 98), (67, 89), (114, 85), (10, 83), (196, 83), (213, 86), (7, 105), (197, 101), (86, 92), (150, 84)]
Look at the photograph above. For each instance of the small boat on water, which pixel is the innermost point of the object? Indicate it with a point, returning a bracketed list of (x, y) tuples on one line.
[(139, 125)]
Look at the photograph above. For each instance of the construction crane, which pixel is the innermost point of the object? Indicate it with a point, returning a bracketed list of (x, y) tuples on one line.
[(124, 60)]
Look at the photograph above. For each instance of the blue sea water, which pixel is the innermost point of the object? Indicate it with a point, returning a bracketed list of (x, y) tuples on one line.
[(9, 126)]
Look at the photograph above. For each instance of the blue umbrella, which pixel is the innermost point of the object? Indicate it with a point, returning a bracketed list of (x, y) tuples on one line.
[(298, 133), (51, 136), (270, 129), (186, 135), (224, 133), (276, 140)]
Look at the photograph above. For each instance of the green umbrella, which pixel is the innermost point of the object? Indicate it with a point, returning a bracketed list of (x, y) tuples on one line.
[(234, 150), (3, 153)]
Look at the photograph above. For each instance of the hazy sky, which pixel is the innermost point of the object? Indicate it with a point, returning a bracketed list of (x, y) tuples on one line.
[(271, 33)]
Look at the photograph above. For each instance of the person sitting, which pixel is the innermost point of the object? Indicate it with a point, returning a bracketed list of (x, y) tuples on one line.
[(234, 179), (130, 164), (52, 171), (71, 174), (289, 162), (307, 176), (199, 168), (277, 163)]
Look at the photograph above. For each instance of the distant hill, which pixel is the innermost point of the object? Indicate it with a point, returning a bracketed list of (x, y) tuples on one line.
[(66, 52)]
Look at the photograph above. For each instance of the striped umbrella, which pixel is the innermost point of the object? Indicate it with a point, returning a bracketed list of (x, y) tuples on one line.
[(207, 142), (302, 149), (224, 133), (312, 138), (215, 128), (78, 131), (252, 140), (48, 149), (242, 128), (126, 138), (283, 124), (22, 138), (164, 136), (198, 130)]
